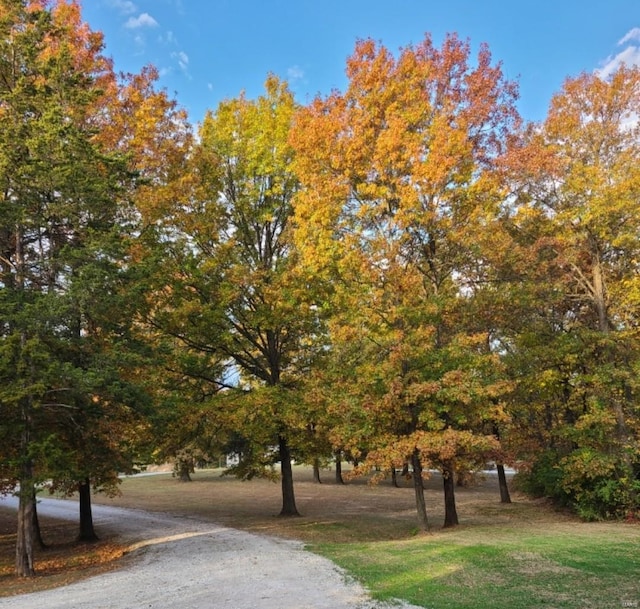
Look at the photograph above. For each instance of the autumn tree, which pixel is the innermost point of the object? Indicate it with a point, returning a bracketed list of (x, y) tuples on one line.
[(234, 300), (398, 182), (141, 121), (576, 181)]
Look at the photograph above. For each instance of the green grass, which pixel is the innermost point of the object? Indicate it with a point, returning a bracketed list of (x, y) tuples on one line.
[(467, 569)]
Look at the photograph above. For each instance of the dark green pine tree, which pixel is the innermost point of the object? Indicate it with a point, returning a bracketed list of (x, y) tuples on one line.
[(64, 238)]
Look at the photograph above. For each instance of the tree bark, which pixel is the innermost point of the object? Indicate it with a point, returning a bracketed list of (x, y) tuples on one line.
[(288, 496), (24, 536), (339, 479), (418, 488), (316, 471), (37, 532), (450, 512), (600, 293), (87, 532), (505, 497), (25, 533), (185, 473), (604, 325), (394, 477)]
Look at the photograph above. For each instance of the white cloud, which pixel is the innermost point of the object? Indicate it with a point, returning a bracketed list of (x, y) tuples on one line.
[(633, 34), (183, 62), (183, 59), (168, 38), (144, 20), (126, 7), (295, 73), (630, 56)]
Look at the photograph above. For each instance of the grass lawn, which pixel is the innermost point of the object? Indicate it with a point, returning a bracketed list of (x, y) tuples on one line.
[(517, 556), (515, 568)]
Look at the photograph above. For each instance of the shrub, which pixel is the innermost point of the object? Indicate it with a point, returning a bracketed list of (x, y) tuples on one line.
[(594, 484), (544, 479)]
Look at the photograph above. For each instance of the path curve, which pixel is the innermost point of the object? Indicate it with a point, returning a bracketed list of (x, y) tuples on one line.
[(183, 563)]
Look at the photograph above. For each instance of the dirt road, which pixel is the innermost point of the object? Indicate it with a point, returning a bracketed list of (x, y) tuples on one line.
[(181, 563)]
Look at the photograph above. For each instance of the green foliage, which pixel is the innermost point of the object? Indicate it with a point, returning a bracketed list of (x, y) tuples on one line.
[(591, 482), (572, 347), (69, 402), (544, 478), (598, 485), (232, 309)]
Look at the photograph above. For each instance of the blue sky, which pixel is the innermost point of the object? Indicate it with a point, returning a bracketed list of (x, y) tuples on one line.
[(209, 50)]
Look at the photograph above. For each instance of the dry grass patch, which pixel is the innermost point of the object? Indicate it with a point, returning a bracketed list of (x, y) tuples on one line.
[(356, 511)]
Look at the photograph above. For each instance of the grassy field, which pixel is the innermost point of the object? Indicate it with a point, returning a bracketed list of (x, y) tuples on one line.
[(515, 568), (517, 556)]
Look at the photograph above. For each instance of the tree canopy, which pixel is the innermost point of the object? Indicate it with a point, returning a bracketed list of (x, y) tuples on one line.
[(400, 273)]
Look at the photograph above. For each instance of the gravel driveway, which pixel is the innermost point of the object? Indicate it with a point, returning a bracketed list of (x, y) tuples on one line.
[(189, 564)]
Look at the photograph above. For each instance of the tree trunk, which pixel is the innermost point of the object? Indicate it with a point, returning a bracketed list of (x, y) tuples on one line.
[(288, 497), (601, 306), (600, 294), (37, 532), (87, 532), (25, 533), (338, 457), (394, 476), (505, 497), (450, 512), (316, 471), (26, 494), (24, 536), (604, 325), (184, 474), (418, 488)]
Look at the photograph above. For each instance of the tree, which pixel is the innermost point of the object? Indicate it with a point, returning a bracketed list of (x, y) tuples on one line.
[(398, 181), (141, 122), (234, 298), (577, 181), (65, 237)]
